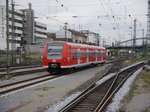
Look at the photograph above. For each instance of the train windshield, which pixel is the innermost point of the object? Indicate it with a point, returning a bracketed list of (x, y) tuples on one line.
[(55, 52)]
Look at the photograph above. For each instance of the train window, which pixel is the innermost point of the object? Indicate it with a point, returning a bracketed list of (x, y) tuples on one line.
[(100, 54), (87, 54), (94, 54), (79, 54), (54, 52), (103, 54), (74, 54), (90, 54)]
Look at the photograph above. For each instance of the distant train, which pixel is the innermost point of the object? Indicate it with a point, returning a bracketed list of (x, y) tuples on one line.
[(64, 55)]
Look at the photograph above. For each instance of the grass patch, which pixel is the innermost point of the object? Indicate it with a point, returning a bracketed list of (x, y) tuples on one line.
[(122, 110), (3, 59), (131, 92), (23, 58), (135, 60), (146, 77), (31, 58), (5, 77)]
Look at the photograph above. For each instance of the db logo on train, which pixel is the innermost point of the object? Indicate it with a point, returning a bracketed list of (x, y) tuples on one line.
[(54, 60)]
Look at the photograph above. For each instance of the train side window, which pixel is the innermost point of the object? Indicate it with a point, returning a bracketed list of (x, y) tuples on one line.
[(82, 54), (74, 54), (94, 54), (70, 50), (86, 53), (79, 54), (100, 54), (90, 54)]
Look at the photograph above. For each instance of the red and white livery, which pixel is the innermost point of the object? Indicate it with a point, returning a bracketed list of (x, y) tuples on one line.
[(64, 55)]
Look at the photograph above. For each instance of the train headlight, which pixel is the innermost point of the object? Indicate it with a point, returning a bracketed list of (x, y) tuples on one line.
[(44, 59), (64, 59)]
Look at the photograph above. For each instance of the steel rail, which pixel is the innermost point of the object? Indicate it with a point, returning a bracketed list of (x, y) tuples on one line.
[(21, 67), (12, 88), (93, 85), (23, 72), (25, 83), (106, 99), (84, 92), (107, 84)]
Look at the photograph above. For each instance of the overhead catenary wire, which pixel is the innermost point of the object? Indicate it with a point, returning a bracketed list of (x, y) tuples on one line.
[(63, 11)]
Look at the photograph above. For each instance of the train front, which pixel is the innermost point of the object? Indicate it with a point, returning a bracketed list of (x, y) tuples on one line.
[(52, 56)]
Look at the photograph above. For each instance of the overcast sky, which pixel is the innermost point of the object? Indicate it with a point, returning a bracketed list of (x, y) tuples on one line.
[(110, 18)]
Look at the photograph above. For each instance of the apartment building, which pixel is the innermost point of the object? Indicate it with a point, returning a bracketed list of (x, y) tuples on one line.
[(93, 38), (18, 27), (40, 33), (26, 30), (36, 32), (71, 36)]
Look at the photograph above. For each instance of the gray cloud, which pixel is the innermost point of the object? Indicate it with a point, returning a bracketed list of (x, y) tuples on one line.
[(83, 14)]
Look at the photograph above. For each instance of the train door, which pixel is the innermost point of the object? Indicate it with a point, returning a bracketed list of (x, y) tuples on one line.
[(102, 55), (96, 56), (87, 55), (79, 55)]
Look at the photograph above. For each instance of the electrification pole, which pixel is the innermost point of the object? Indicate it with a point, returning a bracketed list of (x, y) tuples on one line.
[(23, 37), (13, 41), (148, 29), (66, 31), (134, 37), (143, 43), (7, 33), (143, 36)]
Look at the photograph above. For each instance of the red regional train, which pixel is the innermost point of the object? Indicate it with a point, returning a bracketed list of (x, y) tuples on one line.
[(64, 55)]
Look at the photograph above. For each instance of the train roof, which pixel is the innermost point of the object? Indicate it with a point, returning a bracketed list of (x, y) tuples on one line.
[(77, 44)]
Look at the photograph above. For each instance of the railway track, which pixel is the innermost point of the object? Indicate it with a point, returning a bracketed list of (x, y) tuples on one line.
[(5, 89), (96, 97), (24, 63), (19, 67), (29, 82), (22, 70)]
